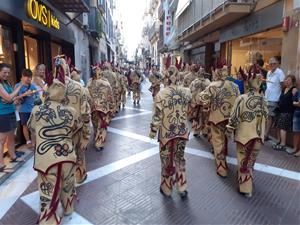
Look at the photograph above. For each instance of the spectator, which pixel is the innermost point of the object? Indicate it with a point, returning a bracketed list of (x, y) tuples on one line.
[(260, 63), (39, 77), (7, 115), (27, 103), (296, 124), (284, 121), (275, 78), (240, 82)]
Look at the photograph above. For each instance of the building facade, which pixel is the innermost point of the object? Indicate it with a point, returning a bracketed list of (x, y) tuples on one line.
[(240, 32)]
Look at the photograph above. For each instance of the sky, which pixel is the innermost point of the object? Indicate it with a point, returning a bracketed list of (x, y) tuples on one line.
[(132, 13)]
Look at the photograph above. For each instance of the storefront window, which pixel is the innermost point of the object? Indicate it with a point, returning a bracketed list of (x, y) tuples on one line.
[(245, 51), (197, 55), (55, 49), (31, 52), (6, 51)]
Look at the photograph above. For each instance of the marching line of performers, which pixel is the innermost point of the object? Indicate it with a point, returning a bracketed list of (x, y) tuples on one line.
[(60, 126), (217, 111)]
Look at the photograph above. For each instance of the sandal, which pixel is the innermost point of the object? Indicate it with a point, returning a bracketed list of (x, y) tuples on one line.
[(290, 151), (275, 145), (297, 154), (15, 160), (280, 148), (2, 168)]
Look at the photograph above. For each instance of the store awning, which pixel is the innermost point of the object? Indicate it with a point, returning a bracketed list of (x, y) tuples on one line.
[(77, 6), (181, 7)]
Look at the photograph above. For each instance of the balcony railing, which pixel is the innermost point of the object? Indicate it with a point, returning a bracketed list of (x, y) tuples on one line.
[(72, 5), (201, 12), (161, 11), (95, 22), (154, 30), (101, 6)]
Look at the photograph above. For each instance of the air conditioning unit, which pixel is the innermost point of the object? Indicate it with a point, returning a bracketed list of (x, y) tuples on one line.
[(85, 19), (297, 4)]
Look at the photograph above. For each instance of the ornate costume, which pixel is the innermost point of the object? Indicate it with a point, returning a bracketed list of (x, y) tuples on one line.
[(77, 97), (112, 79), (247, 121), (191, 76), (124, 88), (219, 97), (170, 121), (101, 98), (53, 125), (182, 74), (154, 79), (136, 80), (200, 116)]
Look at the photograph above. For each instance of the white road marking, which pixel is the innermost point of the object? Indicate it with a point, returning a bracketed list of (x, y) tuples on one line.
[(33, 201), (14, 186), (120, 164), (137, 109), (204, 154), (130, 116)]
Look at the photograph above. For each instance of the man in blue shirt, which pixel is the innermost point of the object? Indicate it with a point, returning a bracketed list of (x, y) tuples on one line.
[(27, 103)]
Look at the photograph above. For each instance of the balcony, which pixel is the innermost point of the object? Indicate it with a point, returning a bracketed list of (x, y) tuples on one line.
[(101, 6), (210, 16), (95, 23), (161, 11), (154, 31), (77, 6), (173, 4)]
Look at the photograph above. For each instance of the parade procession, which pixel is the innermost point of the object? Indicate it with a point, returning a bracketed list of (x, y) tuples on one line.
[(149, 112)]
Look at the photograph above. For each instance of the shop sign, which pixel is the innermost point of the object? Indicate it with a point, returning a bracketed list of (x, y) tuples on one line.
[(168, 23), (41, 13)]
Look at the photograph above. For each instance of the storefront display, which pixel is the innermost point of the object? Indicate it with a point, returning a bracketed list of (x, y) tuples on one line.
[(245, 51), (6, 51)]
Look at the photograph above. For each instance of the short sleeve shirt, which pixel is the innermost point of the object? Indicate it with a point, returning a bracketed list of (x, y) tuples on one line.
[(28, 101), (274, 80)]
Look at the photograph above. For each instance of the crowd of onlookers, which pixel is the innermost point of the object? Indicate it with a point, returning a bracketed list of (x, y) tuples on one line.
[(17, 102), (283, 99)]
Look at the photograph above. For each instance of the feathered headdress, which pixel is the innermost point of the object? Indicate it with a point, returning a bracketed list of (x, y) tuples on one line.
[(252, 77), (178, 64), (168, 62), (221, 70)]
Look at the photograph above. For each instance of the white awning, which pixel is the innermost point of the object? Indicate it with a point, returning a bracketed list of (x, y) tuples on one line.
[(182, 5)]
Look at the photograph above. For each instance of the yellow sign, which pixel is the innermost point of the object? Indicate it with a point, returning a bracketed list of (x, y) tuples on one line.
[(42, 14)]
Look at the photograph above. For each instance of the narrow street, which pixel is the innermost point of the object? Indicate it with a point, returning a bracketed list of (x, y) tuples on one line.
[(123, 183)]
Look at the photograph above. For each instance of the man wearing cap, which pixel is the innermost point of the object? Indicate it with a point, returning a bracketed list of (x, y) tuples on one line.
[(275, 78)]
